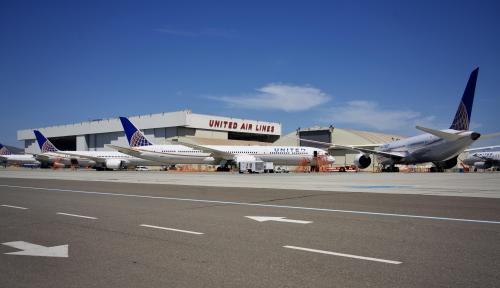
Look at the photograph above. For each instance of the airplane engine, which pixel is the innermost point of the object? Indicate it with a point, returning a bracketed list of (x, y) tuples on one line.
[(448, 164), (114, 164), (362, 161), (482, 165), (57, 164)]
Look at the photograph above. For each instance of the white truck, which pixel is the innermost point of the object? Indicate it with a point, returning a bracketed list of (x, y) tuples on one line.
[(251, 167)]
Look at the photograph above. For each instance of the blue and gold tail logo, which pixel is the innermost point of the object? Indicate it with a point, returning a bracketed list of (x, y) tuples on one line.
[(4, 150), (464, 110), (48, 147), (138, 140), (461, 121)]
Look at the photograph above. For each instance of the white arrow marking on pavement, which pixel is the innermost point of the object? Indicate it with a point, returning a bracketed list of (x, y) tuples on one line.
[(29, 249), (277, 219)]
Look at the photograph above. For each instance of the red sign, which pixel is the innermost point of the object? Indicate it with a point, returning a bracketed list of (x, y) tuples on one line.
[(233, 125)]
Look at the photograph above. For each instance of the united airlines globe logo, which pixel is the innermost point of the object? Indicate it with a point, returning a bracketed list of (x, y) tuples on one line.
[(138, 140), (461, 121), (4, 151), (48, 147)]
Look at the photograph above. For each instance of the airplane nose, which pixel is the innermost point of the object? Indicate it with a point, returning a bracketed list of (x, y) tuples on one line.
[(474, 136)]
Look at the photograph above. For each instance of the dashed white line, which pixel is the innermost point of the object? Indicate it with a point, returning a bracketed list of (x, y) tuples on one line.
[(15, 207), (259, 205), (75, 215), (171, 229), (344, 255)]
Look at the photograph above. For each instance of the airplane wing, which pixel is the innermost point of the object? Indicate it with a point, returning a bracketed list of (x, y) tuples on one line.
[(93, 158), (440, 134), (393, 155), (368, 146), (491, 135), (126, 150), (213, 152), (138, 152), (363, 148)]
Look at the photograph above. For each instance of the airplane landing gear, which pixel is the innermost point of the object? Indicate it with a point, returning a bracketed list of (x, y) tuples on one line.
[(390, 168), (435, 169)]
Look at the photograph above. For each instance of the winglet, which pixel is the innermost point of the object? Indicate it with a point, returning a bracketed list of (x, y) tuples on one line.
[(44, 143), (440, 134), (463, 114), (134, 136), (4, 150)]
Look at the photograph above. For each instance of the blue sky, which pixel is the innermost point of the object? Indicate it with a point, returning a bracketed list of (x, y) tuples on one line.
[(373, 65)]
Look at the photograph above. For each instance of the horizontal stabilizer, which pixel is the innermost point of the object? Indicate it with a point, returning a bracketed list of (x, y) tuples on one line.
[(438, 133), (497, 147), (491, 135)]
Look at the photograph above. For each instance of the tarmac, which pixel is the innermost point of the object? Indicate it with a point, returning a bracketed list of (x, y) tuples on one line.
[(441, 184), (139, 229)]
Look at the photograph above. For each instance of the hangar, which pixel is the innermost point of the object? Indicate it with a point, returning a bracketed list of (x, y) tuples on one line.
[(93, 135), (340, 136), (202, 129)]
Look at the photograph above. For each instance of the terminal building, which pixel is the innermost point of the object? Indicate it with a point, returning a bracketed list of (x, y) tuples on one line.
[(203, 129)]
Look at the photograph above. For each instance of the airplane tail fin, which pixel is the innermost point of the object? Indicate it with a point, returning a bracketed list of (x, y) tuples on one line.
[(462, 117), (44, 143), (135, 137), (4, 150)]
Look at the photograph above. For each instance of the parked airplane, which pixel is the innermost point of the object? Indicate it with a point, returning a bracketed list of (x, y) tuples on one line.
[(100, 160), (223, 155), (7, 158), (483, 157), (441, 147)]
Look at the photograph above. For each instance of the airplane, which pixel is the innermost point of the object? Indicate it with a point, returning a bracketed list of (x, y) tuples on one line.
[(440, 147), (223, 155), (6, 157), (483, 157), (100, 160)]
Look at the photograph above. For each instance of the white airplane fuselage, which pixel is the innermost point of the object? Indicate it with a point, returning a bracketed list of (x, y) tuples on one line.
[(279, 155), (78, 157), (19, 159), (427, 148), (483, 159)]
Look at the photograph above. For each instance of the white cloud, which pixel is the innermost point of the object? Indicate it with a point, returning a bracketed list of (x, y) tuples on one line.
[(368, 115), (284, 97)]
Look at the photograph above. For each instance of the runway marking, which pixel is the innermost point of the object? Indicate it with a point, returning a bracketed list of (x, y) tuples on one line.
[(344, 255), (75, 215), (171, 229), (258, 205), (277, 219), (15, 207), (30, 249), (379, 186)]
